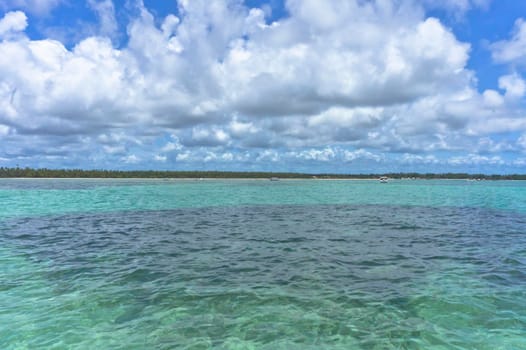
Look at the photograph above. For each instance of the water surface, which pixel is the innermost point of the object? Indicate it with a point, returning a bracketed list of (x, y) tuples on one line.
[(130, 264)]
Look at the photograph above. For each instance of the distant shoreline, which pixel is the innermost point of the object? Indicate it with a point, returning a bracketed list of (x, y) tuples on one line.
[(233, 175), (193, 178), (210, 179)]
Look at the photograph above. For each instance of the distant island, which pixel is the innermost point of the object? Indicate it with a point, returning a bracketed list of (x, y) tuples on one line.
[(169, 174)]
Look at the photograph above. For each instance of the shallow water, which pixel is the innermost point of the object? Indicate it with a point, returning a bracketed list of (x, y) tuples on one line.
[(117, 264)]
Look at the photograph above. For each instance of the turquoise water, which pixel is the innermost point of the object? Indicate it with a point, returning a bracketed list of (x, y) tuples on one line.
[(136, 264)]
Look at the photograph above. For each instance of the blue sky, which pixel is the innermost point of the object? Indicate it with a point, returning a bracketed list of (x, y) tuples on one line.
[(352, 86)]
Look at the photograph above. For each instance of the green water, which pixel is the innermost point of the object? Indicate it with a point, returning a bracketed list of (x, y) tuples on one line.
[(23, 197), (131, 264)]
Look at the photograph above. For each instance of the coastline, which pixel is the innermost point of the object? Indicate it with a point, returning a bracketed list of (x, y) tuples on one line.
[(238, 175), (196, 179)]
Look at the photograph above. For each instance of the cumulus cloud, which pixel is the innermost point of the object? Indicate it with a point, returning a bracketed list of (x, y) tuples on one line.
[(475, 159), (13, 22), (172, 146), (160, 158), (184, 74), (514, 49), (419, 159), (513, 84), (268, 155), (208, 137), (323, 155), (492, 98), (130, 159), (349, 156), (372, 76)]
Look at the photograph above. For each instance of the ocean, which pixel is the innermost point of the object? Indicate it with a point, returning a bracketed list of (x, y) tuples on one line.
[(258, 264)]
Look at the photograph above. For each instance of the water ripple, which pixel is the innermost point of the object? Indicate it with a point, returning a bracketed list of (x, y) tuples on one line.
[(269, 277)]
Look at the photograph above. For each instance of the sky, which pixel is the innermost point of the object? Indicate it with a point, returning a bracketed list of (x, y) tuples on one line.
[(332, 86)]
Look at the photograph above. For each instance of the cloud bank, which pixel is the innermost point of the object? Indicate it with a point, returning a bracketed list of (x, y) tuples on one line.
[(219, 82)]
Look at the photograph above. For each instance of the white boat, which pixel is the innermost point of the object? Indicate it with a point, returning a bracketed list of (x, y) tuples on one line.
[(383, 179)]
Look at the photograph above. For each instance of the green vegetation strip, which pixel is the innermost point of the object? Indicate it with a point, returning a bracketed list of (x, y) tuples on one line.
[(153, 174)]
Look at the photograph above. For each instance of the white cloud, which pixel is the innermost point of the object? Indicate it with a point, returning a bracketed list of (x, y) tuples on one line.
[(328, 154), (278, 71), (242, 129), (38, 7), (131, 159), (4, 130), (498, 125), (372, 76), (118, 138), (475, 159), (361, 154), (172, 146), (457, 7), (105, 11), (268, 155), (513, 50), (160, 158), (323, 155), (118, 149), (169, 26), (513, 84), (209, 136), (184, 156), (227, 156), (391, 63), (486, 144), (492, 98), (13, 22), (419, 159), (217, 156)]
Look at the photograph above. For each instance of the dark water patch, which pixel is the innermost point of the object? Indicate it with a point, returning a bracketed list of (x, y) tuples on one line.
[(273, 276)]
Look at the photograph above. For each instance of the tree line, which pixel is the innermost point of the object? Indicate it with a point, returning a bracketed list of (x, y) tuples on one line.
[(167, 174)]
